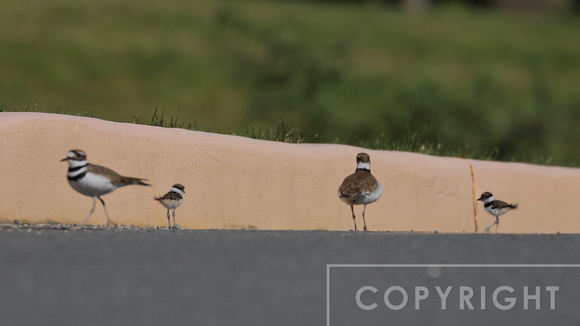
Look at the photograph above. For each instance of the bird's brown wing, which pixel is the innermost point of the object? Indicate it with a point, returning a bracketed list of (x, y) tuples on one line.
[(169, 196), (115, 177), (498, 204), (355, 184)]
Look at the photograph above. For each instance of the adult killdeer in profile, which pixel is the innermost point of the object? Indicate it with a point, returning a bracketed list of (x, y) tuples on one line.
[(94, 180), (495, 208), (361, 187), (172, 200)]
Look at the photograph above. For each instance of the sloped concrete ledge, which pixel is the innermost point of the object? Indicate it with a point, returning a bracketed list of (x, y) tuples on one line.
[(235, 182)]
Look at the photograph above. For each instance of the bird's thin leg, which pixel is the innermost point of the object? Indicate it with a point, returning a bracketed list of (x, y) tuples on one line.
[(496, 223), (92, 210), (169, 219), (109, 221), (174, 217), (365, 222), (353, 216), (489, 227)]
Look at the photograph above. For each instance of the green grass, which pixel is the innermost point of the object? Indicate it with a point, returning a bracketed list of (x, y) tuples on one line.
[(410, 142), (291, 134), (447, 82)]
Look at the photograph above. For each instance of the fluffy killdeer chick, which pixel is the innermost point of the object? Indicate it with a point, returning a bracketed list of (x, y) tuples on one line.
[(172, 200), (495, 208), (361, 187), (94, 180)]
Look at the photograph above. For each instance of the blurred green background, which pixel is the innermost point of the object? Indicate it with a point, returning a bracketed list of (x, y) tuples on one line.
[(465, 78)]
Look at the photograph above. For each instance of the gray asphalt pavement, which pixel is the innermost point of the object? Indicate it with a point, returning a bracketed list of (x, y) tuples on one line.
[(247, 277)]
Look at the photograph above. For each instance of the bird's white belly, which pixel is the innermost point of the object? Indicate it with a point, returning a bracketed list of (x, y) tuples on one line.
[(93, 185), (173, 203), (496, 212), (365, 198)]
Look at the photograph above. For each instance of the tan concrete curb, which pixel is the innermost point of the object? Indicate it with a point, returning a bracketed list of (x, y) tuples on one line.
[(236, 182), (548, 197)]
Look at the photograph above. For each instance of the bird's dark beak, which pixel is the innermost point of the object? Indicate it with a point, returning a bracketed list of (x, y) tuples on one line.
[(64, 159), (480, 199)]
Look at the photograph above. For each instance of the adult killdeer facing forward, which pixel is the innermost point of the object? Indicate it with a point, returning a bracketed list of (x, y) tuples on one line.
[(94, 180), (361, 187), (172, 200), (495, 208)]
